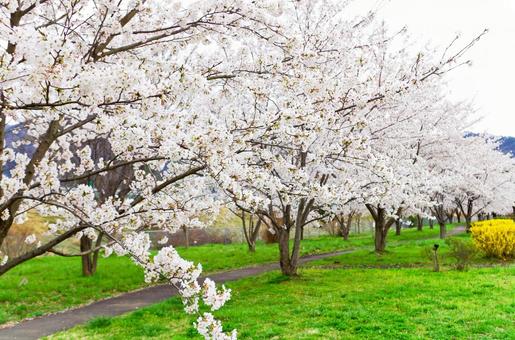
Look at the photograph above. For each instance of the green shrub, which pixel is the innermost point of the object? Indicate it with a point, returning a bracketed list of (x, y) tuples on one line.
[(463, 251)]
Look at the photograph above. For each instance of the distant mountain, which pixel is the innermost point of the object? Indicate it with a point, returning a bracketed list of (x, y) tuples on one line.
[(508, 145), (17, 133), (16, 138)]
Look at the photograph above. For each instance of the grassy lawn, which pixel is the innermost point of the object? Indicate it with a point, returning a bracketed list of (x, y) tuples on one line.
[(402, 254), (341, 304), (50, 283)]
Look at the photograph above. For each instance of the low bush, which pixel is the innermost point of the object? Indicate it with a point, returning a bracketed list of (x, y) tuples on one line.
[(463, 251), (495, 237)]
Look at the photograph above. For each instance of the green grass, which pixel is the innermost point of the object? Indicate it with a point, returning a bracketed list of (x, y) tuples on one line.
[(340, 304), (409, 253), (49, 284)]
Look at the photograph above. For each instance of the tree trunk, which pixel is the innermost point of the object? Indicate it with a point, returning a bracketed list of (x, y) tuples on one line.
[(443, 230), (251, 232), (397, 227), (468, 223), (450, 217), (87, 263), (420, 223), (90, 260), (346, 235), (431, 224), (381, 226), (344, 225), (458, 216), (186, 236), (380, 240), (289, 263), (287, 267)]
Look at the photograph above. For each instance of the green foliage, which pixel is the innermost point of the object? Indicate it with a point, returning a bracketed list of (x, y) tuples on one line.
[(462, 251)]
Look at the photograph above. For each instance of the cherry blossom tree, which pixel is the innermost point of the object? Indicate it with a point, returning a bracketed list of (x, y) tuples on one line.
[(488, 178), (291, 108), (319, 131), (142, 76)]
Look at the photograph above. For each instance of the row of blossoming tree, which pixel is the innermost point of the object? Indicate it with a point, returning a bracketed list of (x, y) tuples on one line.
[(150, 113)]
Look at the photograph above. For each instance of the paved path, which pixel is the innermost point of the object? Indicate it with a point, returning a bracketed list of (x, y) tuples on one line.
[(52, 323)]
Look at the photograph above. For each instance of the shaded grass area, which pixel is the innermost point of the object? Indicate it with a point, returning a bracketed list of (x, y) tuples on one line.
[(340, 304), (50, 283)]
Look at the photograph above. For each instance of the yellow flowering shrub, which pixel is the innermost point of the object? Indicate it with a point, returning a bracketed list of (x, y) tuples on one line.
[(495, 237)]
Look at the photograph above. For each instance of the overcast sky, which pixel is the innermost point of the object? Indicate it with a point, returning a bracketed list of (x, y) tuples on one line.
[(490, 81)]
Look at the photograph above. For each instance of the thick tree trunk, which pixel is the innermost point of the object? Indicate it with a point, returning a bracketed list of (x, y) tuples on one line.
[(467, 212), (450, 217), (186, 236), (397, 227), (382, 225), (468, 223), (287, 267), (458, 216), (289, 262), (380, 240), (420, 223), (344, 225), (87, 263), (90, 260), (251, 232), (443, 230)]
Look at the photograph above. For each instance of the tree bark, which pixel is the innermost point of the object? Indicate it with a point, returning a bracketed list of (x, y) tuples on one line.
[(186, 236), (397, 227), (450, 216), (467, 212), (458, 216), (90, 259), (380, 240), (441, 217), (382, 225), (468, 223), (87, 263), (420, 223), (344, 225), (443, 230), (251, 231), (287, 267), (349, 226), (431, 224), (287, 261)]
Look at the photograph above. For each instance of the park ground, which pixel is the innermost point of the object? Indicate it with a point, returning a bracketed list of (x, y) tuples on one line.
[(355, 295)]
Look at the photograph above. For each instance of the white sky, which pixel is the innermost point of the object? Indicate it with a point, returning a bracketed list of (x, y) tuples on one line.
[(490, 81)]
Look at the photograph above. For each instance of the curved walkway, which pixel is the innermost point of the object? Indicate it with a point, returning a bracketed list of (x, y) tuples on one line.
[(53, 323)]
